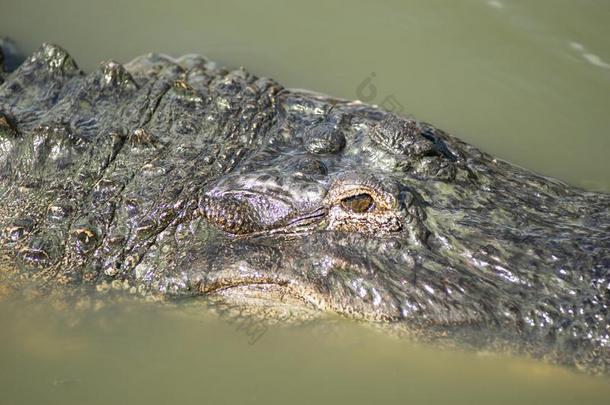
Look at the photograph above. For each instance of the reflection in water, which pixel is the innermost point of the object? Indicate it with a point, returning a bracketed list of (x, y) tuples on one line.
[(496, 4), (589, 57)]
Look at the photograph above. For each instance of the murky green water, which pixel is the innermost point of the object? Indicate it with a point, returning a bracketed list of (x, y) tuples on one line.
[(528, 81), (146, 354)]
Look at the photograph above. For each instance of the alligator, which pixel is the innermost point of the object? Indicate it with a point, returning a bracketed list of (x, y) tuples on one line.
[(178, 178)]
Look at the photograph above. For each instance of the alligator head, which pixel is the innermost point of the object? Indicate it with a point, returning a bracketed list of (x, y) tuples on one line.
[(180, 178), (318, 213), (357, 211)]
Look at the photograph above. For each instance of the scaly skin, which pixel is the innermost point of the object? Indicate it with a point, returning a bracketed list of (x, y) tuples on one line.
[(178, 178)]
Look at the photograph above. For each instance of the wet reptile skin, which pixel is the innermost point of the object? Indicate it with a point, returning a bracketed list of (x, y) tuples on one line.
[(179, 178)]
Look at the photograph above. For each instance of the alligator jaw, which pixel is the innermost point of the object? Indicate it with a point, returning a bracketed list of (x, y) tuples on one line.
[(265, 298)]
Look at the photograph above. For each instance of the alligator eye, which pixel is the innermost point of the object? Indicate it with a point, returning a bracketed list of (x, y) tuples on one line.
[(358, 203)]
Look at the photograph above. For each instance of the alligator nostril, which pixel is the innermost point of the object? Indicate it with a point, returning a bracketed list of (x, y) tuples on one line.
[(323, 139)]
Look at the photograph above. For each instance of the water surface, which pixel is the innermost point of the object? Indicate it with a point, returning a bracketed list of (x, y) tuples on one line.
[(149, 354)]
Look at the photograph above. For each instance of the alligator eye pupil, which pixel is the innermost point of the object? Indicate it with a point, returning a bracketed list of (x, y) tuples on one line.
[(358, 203)]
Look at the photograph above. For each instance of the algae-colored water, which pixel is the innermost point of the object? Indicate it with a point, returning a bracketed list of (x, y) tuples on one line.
[(528, 81), (150, 354)]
